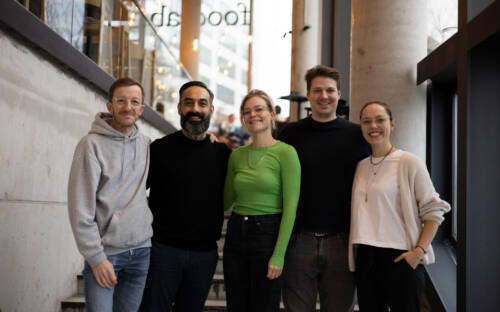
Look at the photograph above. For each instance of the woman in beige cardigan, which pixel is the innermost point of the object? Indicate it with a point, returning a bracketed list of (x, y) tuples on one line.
[(395, 214)]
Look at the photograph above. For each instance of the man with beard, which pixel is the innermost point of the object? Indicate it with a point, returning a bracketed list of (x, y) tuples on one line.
[(186, 181)]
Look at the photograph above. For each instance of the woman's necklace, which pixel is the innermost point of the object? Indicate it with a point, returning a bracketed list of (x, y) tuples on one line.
[(258, 162), (375, 166)]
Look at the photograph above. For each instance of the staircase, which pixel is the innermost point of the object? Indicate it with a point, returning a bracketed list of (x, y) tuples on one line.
[(216, 300)]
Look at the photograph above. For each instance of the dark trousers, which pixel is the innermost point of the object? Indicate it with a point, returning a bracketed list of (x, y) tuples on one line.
[(178, 280), (249, 245), (318, 265), (383, 284)]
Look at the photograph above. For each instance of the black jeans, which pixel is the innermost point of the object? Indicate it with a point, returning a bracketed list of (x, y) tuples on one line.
[(381, 283), (318, 265), (249, 245), (178, 279)]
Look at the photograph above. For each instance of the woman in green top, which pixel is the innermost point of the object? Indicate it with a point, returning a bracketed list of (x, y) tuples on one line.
[(262, 186)]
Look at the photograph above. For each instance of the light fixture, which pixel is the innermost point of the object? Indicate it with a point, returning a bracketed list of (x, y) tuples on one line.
[(195, 44)]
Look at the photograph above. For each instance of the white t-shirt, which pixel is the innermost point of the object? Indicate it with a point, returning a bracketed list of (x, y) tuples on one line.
[(376, 215)]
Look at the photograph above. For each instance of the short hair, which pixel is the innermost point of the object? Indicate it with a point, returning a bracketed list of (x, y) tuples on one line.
[(261, 94), (160, 107), (277, 109), (342, 108), (124, 82), (196, 83), (383, 104), (322, 71)]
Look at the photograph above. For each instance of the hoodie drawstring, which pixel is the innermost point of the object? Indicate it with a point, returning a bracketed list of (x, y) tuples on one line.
[(135, 153), (124, 146), (135, 149)]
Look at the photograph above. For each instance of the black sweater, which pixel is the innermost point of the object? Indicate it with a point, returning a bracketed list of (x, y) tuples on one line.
[(186, 181), (328, 154)]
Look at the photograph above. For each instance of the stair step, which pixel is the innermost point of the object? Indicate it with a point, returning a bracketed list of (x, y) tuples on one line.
[(77, 303), (220, 305), (80, 290), (217, 289), (220, 245), (73, 304), (219, 268), (214, 305)]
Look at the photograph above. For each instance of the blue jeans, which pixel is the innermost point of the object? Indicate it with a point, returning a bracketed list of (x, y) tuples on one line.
[(318, 264), (178, 279), (249, 245), (131, 269)]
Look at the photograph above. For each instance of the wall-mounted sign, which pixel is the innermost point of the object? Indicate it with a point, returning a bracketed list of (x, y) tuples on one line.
[(214, 18)]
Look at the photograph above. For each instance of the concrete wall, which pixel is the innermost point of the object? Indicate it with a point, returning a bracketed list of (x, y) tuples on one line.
[(387, 42), (44, 111)]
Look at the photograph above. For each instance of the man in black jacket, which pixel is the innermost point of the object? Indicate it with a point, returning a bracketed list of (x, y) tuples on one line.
[(186, 181), (329, 149)]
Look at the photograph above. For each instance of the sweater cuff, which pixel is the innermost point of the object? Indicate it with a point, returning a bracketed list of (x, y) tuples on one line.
[(96, 259), (438, 218), (277, 261)]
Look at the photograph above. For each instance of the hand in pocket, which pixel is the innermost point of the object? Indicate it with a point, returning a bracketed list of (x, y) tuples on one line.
[(411, 257)]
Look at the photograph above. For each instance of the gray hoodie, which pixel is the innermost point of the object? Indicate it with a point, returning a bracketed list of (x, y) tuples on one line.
[(107, 202)]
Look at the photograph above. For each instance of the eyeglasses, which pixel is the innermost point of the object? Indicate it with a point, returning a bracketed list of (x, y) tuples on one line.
[(257, 110), (122, 101), (378, 121)]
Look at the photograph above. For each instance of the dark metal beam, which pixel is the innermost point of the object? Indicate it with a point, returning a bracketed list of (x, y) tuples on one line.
[(15, 18), (442, 57), (479, 29)]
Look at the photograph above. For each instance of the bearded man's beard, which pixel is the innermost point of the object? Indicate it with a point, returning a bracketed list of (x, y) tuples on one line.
[(195, 127)]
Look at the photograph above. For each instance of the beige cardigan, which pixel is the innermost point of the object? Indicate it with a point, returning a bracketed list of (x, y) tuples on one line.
[(419, 202)]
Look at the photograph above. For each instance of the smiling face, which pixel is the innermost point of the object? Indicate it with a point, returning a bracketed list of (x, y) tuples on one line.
[(324, 97), (376, 125), (257, 116), (195, 110), (126, 107)]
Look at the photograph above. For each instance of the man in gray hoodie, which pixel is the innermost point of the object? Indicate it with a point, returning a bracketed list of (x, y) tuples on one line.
[(107, 203)]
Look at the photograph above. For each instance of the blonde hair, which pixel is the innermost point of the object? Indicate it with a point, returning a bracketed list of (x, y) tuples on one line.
[(261, 94)]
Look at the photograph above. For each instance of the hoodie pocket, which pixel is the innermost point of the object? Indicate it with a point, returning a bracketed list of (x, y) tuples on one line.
[(128, 228)]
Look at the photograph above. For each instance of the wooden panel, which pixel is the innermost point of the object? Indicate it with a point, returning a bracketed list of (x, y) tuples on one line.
[(438, 60)]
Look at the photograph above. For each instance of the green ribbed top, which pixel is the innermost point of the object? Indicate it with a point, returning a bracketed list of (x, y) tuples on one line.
[(272, 187)]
